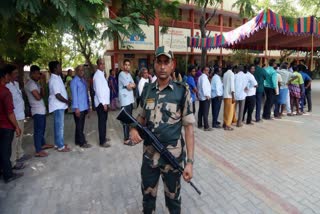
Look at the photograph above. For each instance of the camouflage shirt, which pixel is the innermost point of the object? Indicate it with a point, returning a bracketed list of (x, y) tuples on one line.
[(165, 112)]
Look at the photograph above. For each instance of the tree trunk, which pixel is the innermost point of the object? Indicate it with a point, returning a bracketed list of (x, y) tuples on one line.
[(20, 66), (203, 57), (88, 60), (203, 35)]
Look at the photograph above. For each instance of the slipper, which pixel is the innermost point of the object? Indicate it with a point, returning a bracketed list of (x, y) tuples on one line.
[(65, 145), (65, 149), (227, 128), (128, 143), (41, 154), (47, 146)]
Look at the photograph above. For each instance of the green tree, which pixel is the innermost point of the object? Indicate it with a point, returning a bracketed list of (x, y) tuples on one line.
[(20, 20), (311, 7), (242, 57), (250, 8), (131, 14), (204, 20), (47, 46)]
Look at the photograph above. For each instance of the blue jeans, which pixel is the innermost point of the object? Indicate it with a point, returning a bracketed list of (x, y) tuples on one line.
[(276, 111), (215, 109), (259, 96), (39, 128), (59, 128), (302, 98)]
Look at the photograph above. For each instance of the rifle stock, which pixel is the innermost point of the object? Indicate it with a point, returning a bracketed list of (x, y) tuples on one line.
[(126, 118)]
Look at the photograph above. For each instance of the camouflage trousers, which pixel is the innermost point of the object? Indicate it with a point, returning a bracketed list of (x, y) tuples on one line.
[(171, 178)]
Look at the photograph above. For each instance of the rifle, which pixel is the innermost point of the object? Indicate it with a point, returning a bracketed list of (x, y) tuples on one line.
[(126, 118)]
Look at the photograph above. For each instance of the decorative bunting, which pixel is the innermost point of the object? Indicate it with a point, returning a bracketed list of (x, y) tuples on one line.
[(289, 26)]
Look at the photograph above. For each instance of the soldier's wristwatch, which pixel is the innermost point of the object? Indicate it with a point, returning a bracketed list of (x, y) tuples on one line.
[(190, 161)]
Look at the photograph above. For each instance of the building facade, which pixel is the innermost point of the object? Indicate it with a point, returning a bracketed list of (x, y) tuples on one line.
[(141, 50)]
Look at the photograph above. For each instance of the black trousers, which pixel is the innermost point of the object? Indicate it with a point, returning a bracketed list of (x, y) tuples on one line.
[(249, 107), (259, 96), (203, 113), (6, 136), (102, 123), (92, 99), (194, 107), (268, 103), (309, 101), (79, 137), (215, 109), (126, 127)]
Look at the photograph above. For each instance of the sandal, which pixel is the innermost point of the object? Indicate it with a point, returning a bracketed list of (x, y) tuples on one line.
[(65, 149), (47, 146), (56, 148), (41, 154), (128, 143), (228, 128)]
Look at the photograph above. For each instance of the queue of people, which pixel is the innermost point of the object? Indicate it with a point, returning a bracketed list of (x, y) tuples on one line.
[(240, 88), (243, 89)]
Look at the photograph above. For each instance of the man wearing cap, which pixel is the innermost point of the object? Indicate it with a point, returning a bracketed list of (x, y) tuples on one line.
[(165, 107)]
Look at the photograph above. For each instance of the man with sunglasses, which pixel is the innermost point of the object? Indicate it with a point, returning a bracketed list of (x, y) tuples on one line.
[(165, 108)]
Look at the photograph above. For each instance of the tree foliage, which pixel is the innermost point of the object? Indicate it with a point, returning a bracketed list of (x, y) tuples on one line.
[(311, 7), (203, 5), (21, 20), (134, 13), (249, 8), (29, 27)]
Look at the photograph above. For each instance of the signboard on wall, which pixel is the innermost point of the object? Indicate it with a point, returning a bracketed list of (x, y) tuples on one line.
[(135, 42), (175, 38)]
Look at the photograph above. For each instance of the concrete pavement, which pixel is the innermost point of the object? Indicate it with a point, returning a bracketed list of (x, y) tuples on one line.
[(270, 167)]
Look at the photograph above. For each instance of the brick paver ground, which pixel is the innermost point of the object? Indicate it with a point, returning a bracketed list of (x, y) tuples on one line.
[(271, 167)]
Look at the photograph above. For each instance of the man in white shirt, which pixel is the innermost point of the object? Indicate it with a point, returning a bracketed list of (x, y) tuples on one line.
[(228, 98), (216, 96), (126, 97), (251, 95), (17, 153), (204, 92), (38, 111), (240, 83), (286, 77), (144, 79), (58, 103), (101, 101)]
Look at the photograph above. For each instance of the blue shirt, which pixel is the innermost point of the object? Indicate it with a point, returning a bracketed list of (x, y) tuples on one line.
[(125, 96), (305, 76), (192, 84), (79, 93), (216, 86)]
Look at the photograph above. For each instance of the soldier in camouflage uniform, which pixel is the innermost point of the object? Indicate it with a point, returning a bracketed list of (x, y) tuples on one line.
[(165, 108)]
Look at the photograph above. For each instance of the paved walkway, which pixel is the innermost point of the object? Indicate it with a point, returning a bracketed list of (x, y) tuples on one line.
[(271, 167)]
